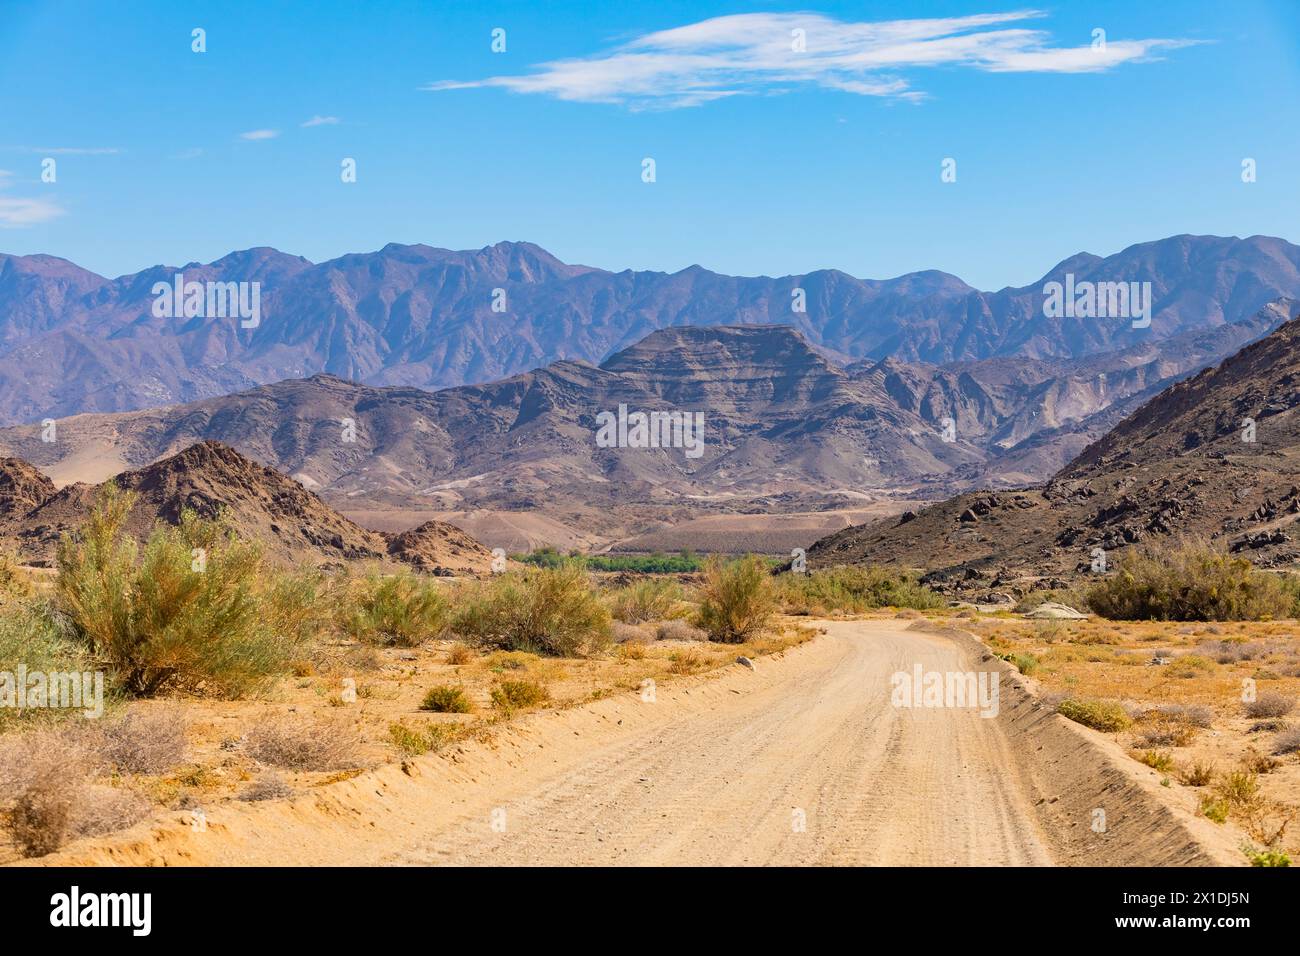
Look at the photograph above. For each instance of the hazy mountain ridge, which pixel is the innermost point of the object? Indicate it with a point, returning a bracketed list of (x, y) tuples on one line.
[(73, 342)]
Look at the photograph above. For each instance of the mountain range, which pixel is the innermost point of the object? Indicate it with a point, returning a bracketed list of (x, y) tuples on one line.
[(417, 316), (783, 425)]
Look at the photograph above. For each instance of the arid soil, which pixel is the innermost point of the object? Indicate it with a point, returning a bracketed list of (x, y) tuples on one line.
[(801, 760)]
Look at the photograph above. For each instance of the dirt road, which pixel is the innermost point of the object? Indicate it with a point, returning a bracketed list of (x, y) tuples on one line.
[(822, 746), (803, 761)]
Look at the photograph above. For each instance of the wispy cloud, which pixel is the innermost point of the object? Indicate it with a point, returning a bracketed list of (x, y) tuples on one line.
[(322, 121), (18, 213), (256, 134), (769, 53), (192, 152)]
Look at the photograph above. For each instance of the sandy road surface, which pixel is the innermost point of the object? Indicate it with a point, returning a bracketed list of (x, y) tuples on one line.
[(876, 784), (715, 770)]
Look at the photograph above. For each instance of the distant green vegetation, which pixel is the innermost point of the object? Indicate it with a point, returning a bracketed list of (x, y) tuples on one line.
[(657, 563), (683, 562), (854, 589)]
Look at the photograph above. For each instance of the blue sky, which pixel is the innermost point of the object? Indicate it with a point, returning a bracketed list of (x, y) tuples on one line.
[(767, 161)]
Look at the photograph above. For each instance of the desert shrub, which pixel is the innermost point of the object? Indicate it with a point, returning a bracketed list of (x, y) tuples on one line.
[(415, 741), (445, 699), (42, 777), (546, 610), (14, 583), (1239, 788), (1230, 652), (629, 633), (103, 809), (1167, 733), (46, 788), (1199, 774), (1026, 663), (736, 599), (1190, 581), (303, 743), (678, 630), (141, 741), (394, 609), (1267, 857), (1156, 760), (1216, 810), (1195, 715), (268, 786), (1271, 703), (1104, 715), (518, 694), (686, 662), (652, 599), (1287, 742), (35, 636), (160, 619), (1259, 763), (459, 654), (854, 589), (297, 606), (1171, 725)]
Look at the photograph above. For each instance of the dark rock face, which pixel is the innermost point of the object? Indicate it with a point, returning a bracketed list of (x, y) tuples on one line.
[(1142, 483)]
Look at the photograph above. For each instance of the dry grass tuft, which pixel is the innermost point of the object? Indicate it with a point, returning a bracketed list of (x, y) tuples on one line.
[(149, 742), (1269, 704), (297, 742)]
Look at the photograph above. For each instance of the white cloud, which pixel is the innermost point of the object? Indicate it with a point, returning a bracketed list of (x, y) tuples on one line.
[(755, 53), (17, 213), (256, 134), (192, 152), (322, 121)]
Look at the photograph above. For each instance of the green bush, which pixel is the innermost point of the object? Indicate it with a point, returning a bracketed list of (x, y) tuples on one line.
[(854, 589), (1190, 581), (35, 636), (445, 699), (656, 563), (297, 606), (414, 741), (654, 599), (394, 609), (1104, 715), (542, 610), (158, 619), (517, 694), (737, 599), (1266, 857), (14, 583)]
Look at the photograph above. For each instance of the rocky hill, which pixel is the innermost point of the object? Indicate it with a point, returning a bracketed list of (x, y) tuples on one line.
[(1215, 456), (293, 525)]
